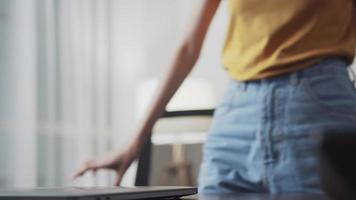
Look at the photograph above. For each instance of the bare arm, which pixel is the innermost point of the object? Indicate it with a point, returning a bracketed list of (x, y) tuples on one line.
[(184, 61)]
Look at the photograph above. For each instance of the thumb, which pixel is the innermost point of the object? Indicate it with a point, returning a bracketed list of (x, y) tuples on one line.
[(118, 180), (120, 173)]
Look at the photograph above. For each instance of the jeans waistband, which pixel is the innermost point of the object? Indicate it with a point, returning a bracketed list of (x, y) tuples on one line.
[(327, 66)]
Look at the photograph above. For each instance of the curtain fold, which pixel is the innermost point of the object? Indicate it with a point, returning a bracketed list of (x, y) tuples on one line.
[(78, 87), (18, 99)]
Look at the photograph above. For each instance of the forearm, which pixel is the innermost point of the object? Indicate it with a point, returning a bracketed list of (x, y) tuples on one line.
[(183, 63), (179, 70)]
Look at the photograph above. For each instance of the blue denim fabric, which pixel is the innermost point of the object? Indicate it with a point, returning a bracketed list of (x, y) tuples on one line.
[(265, 134)]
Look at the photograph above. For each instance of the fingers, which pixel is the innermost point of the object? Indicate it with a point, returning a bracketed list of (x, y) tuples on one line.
[(118, 163), (86, 166), (120, 174), (117, 180)]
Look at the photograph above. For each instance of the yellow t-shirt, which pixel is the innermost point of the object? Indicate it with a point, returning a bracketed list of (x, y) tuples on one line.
[(271, 37)]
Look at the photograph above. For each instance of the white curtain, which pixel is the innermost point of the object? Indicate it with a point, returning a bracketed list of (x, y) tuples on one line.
[(96, 53), (17, 93), (68, 69)]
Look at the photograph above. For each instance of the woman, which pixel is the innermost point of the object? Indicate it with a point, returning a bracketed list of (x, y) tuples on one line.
[(289, 84)]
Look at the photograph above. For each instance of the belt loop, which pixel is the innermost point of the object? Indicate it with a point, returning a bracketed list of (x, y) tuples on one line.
[(244, 86), (294, 78)]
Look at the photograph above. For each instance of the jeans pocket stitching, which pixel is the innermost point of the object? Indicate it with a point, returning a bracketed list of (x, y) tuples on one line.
[(325, 108)]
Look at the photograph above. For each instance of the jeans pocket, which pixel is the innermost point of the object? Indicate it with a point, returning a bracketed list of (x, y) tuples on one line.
[(333, 94)]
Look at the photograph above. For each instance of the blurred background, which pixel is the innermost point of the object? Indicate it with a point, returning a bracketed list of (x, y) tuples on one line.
[(76, 75)]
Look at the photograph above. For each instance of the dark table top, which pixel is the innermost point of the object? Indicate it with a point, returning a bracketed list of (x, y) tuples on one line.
[(257, 197)]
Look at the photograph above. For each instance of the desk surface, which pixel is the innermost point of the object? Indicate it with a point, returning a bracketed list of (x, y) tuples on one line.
[(257, 197)]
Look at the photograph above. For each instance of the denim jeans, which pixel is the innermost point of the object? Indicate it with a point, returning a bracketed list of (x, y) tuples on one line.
[(265, 134)]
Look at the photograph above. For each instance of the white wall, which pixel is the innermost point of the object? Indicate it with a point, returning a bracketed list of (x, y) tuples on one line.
[(166, 22)]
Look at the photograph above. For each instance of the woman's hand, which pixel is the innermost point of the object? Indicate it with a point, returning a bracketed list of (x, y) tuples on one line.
[(117, 161)]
